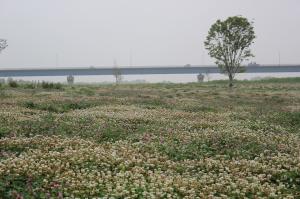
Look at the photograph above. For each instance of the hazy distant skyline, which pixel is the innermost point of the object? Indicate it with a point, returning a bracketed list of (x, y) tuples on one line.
[(79, 33)]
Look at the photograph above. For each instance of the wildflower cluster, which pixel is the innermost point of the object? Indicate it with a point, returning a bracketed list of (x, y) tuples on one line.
[(156, 144)]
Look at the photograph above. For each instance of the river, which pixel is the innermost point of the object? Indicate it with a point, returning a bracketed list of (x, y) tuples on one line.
[(174, 78)]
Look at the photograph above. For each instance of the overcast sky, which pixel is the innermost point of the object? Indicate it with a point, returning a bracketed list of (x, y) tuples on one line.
[(44, 33)]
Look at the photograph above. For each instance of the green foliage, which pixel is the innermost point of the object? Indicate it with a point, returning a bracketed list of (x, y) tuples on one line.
[(60, 107), (220, 143), (134, 139), (4, 131), (86, 91), (291, 179), (278, 80), (290, 120), (30, 85), (14, 187), (229, 43), (51, 85), (181, 151), (13, 84)]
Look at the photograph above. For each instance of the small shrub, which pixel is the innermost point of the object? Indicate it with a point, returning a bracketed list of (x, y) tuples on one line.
[(47, 85), (30, 104), (13, 84), (58, 86), (51, 85)]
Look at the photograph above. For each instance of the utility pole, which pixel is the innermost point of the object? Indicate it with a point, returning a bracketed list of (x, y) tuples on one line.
[(279, 58)]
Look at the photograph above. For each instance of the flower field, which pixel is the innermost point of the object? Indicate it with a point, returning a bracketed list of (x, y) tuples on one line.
[(151, 141)]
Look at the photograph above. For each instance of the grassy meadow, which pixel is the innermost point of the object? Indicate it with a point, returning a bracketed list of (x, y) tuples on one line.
[(151, 140)]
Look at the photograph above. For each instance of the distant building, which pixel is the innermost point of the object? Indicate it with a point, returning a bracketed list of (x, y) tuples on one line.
[(253, 64), (187, 65)]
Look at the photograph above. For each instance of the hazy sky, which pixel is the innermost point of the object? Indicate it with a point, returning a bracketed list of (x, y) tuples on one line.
[(152, 32)]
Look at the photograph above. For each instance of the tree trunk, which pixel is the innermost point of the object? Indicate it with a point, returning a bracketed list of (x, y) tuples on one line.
[(230, 80)]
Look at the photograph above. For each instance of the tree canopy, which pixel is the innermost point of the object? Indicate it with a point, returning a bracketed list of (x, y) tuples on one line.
[(228, 42)]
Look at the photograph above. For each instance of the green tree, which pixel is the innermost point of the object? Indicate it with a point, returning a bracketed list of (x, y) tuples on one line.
[(228, 42)]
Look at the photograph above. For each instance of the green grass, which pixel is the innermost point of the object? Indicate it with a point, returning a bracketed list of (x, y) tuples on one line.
[(194, 132)]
